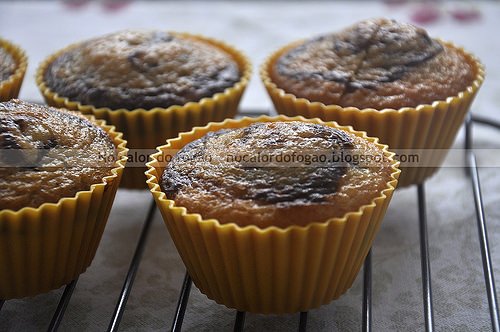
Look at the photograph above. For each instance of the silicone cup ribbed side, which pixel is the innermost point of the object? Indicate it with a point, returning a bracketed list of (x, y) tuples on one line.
[(10, 87), (431, 127), (270, 270), (45, 248), (146, 129)]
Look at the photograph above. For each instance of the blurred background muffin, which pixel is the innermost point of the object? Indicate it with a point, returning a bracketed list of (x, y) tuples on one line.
[(59, 172), (388, 78), (150, 84), (13, 63), (374, 64), (133, 69)]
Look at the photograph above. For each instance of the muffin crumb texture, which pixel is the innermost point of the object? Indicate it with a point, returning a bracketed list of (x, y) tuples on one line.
[(373, 64), (47, 154), (244, 176), (141, 69)]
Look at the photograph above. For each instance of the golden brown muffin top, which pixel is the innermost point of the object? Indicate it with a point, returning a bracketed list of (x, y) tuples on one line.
[(7, 65), (377, 64), (48, 153), (141, 69), (272, 174)]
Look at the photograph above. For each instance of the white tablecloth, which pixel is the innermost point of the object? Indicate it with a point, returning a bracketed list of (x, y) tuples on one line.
[(258, 28)]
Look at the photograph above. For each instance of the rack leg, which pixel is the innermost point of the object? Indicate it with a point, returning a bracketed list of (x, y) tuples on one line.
[(367, 294), (134, 266), (61, 307), (489, 278), (239, 323), (182, 304), (1, 304), (468, 140), (303, 321), (425, 262)]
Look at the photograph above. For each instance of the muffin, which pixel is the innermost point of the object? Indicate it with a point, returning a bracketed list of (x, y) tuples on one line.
[(13, 63), (387, 78), (248, 221), (59, 172), (150, 84)]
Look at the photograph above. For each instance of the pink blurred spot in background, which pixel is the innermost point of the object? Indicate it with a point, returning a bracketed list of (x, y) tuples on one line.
[(425, 14), (75, 4), (115, 5), (465, 14)]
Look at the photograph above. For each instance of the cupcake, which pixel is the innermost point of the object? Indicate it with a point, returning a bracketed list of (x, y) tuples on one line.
[(150, 84), (13, 63), (273, 215), (59, 172), (387, 78)]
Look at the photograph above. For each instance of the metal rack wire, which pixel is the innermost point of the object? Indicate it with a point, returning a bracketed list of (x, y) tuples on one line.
[(366, 319)]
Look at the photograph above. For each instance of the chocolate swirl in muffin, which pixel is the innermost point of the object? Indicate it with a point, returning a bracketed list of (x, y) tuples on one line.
[(224, 173), (398, 62), (265, 184), (47, 154), (133, 69)]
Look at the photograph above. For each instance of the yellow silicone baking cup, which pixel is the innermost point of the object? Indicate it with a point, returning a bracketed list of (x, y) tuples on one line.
[(146, 129), (45, 248), (10, 87), (413, 129), (270, 270)]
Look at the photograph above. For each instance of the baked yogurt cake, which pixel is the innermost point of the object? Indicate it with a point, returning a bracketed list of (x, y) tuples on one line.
[(375, 64), (141, 69), (223, 176), (59, 173), (272, 236), (49, 153)]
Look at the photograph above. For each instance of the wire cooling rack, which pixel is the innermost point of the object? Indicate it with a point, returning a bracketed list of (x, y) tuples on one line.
[(366, 320)]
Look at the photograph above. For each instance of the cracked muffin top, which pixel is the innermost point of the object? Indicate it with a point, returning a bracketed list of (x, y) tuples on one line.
[(141, 69), (7, 65), (276, 174), (377, 64), (48, 153)]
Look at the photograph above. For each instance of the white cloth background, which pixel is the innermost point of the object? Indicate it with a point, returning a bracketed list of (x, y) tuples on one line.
[(259, 28)]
